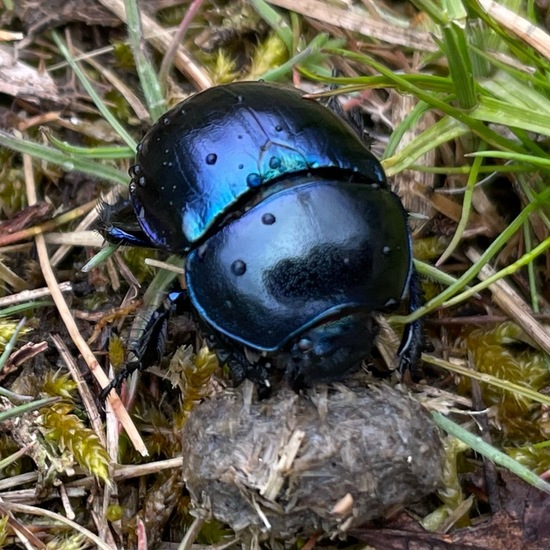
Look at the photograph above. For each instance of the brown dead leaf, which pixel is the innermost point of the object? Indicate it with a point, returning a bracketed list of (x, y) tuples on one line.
[(17, 358), (26, 217), (520, 525), (20, 80), (38, 16)]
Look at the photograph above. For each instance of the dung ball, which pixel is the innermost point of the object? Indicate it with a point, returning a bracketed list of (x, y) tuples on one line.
[(293, 465)]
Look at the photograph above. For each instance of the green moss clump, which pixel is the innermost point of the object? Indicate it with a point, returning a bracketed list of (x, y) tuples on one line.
[(505, 352), (68, 433)]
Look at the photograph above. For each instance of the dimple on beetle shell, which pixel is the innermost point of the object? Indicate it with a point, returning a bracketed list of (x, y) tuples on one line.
[(206, 154)]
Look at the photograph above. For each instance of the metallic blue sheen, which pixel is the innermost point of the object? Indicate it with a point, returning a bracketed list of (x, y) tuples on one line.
[(330, 248), (216, 148)]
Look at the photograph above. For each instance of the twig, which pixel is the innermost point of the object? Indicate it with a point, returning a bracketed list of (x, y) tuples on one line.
[(361, 23), (177, 39), (87, 399), (24, 509), (70, 323), (29, 295), (30, 232), (511, 303), (160, 39)]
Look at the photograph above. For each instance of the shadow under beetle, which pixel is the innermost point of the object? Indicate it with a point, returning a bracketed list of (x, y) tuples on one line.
[(291, 235)]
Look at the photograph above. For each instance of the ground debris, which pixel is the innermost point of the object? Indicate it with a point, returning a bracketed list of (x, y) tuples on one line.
[(18, 79), (40, 16), (520, 525)]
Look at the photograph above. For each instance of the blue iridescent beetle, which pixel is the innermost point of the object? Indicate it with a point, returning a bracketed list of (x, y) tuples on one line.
[(291, 236)]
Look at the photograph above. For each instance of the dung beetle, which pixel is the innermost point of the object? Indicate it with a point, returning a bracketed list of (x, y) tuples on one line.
[(291, 235)]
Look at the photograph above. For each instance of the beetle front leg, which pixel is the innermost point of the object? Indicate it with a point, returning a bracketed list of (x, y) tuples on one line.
[(243, 369), (412, 342), (118, 224), (241, 365)]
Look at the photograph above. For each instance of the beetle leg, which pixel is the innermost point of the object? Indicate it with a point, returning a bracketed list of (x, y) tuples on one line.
[(354, 117), (240, 364), (241, 369), (148, 348), (412, 341)]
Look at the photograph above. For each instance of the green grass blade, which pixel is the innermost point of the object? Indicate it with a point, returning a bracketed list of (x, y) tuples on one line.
[(498, 112), (63, 160), (460, 65), (150, 84), (476, 443), (444, 130), (112, 153), (470, 273), (276, 21), (478, 127), (466, 209), (89, 87)]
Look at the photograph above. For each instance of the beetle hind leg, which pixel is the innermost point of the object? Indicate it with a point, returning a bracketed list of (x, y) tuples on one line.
[(412, 342)]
